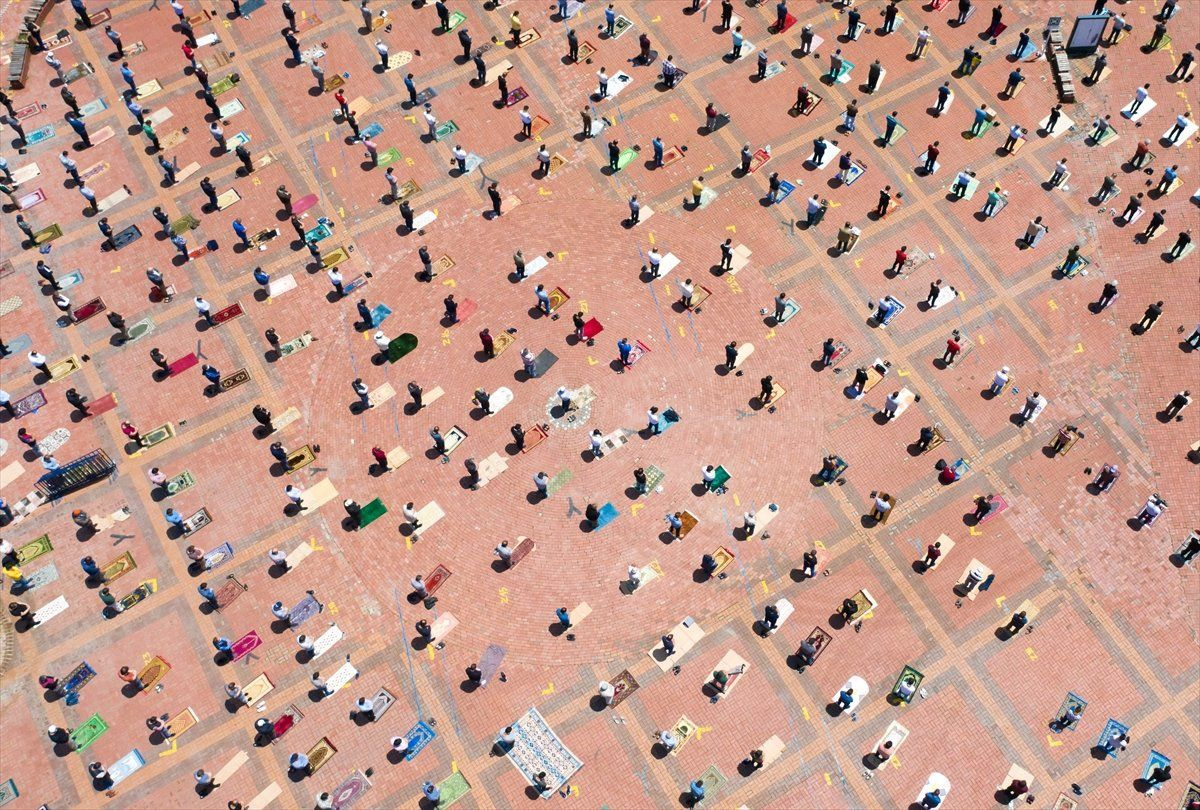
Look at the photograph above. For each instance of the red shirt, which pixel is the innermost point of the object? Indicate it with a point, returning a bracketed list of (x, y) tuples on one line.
[(901, 256), (187, 51), (953, 346), (932, 152), (339, 97)]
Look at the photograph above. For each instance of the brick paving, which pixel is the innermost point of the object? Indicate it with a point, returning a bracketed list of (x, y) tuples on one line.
[(1117, 619)]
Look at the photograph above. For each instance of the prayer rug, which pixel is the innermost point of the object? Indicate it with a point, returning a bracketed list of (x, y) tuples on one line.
[(178, 483), (538, 749), (51, 609), (381, 702), (624, 685), (126, 766), (319, 754), (489, 663), (453, 788), (139, 594), (119, 567), (228, 313), (182, 722), (42, 576), (158, 435), (533, 437), (437, 577), (233, 380), (245, 645), (298, 459), (295, 345), (371, 512), (819, 639), (90, 309), (29, 403), (258, 688), (78, 678), (34, 549), (152, 674), (350, 790), (418, 737), (304, 610), (229, 591), (912, 678), (47, 234), (126, 237), (543, 363), (218, 556), (289, 718)]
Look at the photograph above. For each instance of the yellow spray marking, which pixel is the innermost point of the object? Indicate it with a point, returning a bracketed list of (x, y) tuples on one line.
[(701, 730), (326, 136), (412, 119), (1078, 348), (341, 212), (543, 192), (652, 238), (431, 652), (636, 507), (1000, 601), (733, 285), (675, 117), (710, 168), (257, 181), (1053, 742), (736, 500), (902, 373), (175, 747), (1032, 655), (408, 161), (895, 761), (449, 282), (408, 542), (333, 608), (592, 360), (583, 307), (766, 590), (117, 269), (549, 688), (973, 532), (981, 340), (333, 170), (858, 262), (1052, 304), (147, 658), (770, 333), (828, 781), (731, 228), (562, 253), (453, 766), (312, 543), (805, 710), (818, 544), (681, 332), (503, 596)]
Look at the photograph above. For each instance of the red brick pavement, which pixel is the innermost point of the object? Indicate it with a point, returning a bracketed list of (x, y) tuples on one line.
[(1095, 580)]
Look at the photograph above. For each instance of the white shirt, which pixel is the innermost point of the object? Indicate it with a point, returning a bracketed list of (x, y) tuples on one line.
[(418, 585), (686, 289), (409, 514), (892, 402), (1182, 121), (603, 76), (67, 162), (334, 276), (430, 118), (112, 34), (1000, 379), (279, 610), (922, 36), (460, 153), (526, 118), (1141, 94), (202, 306), (597, 440), (881, 505), (654, 257), (52, 61), (381, 340), (1061, 167), (709, 475), (382, 47), (400, 744), (216, 131), (293, 492), (276, 556)]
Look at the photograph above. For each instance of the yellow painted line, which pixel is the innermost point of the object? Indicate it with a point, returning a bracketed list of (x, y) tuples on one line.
[(828, 781), (681, 332), (326, 136), (431, 653), (766, 590), (333, 608), (583, 306), (341, 212), (973, 532), (333, 169), (736, 500), (562, 253), (543, 192), (805, 710), (453, 766), (636, 507), (1079, 348), (549, 688), (902, 373), (312, 543), (651, 238), (731, 228), (592, 360), (1052, 304), (1032, 655), (1053, 742)]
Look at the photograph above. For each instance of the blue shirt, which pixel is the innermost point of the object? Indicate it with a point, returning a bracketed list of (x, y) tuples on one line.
[(127, 74), (658, 147), (240, 230), (610, 16)]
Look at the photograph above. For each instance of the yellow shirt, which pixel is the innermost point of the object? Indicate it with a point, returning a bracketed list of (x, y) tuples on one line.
[(697, 187), (13, 573), (514, 23)]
